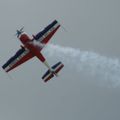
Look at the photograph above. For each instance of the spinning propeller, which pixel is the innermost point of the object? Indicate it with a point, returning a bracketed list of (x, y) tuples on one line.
[(19, 32)]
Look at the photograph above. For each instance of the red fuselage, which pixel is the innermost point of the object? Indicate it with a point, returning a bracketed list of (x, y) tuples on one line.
[(29, 44)]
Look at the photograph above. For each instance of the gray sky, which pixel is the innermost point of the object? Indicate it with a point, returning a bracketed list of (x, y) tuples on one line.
[(78, 94)]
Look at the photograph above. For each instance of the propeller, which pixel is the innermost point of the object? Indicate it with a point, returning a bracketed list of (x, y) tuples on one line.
[(19, 32)]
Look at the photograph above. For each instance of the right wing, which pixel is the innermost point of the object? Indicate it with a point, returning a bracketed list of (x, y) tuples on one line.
[(45, 35), (20, 57)]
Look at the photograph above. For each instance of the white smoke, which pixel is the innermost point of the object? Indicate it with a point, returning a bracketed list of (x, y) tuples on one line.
[(95, 65)]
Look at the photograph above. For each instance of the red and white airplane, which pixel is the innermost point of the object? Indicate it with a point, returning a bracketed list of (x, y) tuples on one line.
[(31, 47)]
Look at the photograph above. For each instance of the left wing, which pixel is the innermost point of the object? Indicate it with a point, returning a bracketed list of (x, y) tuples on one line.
[(45, 35), (20, 57)]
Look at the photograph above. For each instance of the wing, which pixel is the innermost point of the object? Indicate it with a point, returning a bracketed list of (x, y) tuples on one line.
[(45, 35), (20, 57)]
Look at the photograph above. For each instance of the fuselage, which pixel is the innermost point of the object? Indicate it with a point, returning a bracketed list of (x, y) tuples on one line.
[(29, 42), (32, 45)]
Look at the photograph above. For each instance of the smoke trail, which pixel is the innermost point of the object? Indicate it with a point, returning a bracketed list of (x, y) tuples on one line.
[(93, 64)]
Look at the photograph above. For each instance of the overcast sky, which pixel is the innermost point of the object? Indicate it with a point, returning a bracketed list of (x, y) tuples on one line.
[(89, 48)]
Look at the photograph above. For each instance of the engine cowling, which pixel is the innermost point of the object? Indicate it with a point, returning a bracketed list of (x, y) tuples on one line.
[(24, 38)]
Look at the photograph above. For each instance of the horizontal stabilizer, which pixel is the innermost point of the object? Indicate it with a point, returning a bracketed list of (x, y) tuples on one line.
[(53, 72)]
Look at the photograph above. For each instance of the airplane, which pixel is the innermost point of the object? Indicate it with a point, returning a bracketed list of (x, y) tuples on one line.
[(31, 47)]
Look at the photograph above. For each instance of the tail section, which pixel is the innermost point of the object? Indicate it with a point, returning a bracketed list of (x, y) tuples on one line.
[(53, 72)]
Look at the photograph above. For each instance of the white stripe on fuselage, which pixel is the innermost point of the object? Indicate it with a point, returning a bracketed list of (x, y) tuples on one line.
[(38, 44)]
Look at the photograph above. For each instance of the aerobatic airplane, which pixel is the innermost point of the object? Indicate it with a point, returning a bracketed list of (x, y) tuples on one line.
[(31, 47)]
